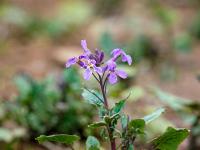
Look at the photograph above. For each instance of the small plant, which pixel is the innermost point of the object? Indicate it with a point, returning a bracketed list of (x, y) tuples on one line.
[(45, 106), (188, 110), (116, 127)]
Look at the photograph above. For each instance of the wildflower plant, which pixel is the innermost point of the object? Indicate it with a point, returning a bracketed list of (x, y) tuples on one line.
[(114, 124)]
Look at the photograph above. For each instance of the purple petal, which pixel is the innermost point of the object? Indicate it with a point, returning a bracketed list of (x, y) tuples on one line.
[(99, 56), (84, 46), (98, 69), (82, 64), (116, 52), (121, 74), (82, 56), (87, 74), (71, 61), (92, 61), (104, 68), (111, 65), (112, 78), (127, 58)]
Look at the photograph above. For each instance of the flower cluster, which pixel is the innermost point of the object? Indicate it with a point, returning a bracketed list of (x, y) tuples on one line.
[(93, 63)]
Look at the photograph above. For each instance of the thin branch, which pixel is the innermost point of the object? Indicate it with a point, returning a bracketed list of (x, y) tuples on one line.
[(96, 77), (103, 92), (105, 84)]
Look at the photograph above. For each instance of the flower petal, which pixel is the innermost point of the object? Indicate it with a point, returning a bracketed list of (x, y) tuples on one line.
[(112, 78), (82, 64), (121, 74), (84, 46), (111, 65), (87, 74), (71, 61), (116, 53), (97, 69), (127, 58)]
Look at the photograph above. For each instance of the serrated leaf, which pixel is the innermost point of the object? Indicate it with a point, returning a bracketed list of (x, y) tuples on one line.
[(97, 124), (60, 138), (92, 143), (92, 97), (153, 115), (118, 106), (171, 139)]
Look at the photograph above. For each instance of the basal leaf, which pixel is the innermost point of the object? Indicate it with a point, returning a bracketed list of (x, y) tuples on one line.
[(170, 140), (93, 97), (153, 115), (92, 143), (60, 138)]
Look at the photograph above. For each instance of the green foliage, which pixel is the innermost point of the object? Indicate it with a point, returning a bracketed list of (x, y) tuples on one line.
[(183, 43), (195, 26), (118, 106), (61, 138), (66, 19), (149, 118), (137, 126), (165, 15), (92, 143), (170, 139), (43, 107), (143, 48), (174, 102), (97, 124), (92, 97), (188, 109)]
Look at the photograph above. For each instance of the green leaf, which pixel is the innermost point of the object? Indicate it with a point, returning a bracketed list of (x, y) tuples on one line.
[(92, 97), (131, 147), (124, 121), (97, 124), (118, 106), (137, 126), (61, 138), (92, 143), (149, 118), (174, 102), (171, 139)]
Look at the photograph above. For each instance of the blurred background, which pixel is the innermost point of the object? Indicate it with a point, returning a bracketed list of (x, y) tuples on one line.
[(39, 96)]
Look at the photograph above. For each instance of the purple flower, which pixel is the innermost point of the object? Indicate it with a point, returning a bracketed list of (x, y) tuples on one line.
[(114, 73), (71, 62), (84, 46), (90, 62), (89, 69), (93, 63), (119, 52)]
